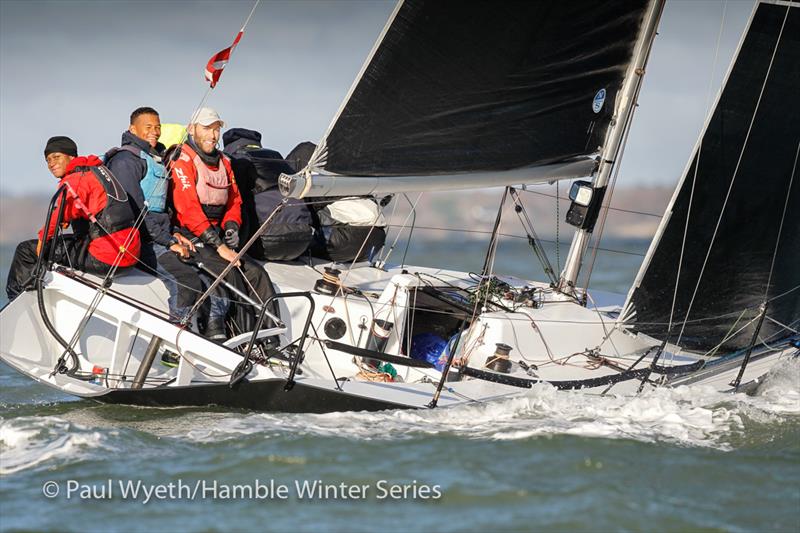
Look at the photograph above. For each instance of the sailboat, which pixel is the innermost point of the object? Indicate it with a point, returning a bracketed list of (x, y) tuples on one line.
[(469, 96)]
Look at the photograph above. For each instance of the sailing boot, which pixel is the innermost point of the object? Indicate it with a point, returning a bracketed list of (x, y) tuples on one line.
[(215, 330), (170, 359)]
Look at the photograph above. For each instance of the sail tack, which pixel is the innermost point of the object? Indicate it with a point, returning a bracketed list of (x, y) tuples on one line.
[(737, 205), (465, 87)]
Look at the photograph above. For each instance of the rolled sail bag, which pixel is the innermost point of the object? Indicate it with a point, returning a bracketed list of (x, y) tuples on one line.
[(290, 233), (291, 230), (350, 229)]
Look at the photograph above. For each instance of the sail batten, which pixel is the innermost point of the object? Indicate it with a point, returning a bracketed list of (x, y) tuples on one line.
[(733, 257), (479, 87)]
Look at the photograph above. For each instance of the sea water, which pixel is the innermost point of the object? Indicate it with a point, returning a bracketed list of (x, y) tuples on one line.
[(681, 459)]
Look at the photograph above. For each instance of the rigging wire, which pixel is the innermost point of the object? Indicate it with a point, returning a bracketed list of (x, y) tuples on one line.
[(565, 199), (696, 167), (784, 326), (102, 289), (735, 173), (533, 238), (411, 213), (618, 159), (780, 227), (513, 236), (413, 225)]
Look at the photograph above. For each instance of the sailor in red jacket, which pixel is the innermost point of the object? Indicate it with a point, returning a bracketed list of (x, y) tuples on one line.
[(208, 207), (97, 207)]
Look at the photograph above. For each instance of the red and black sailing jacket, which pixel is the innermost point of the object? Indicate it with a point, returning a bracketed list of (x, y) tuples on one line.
[(204, 195), (95, 195)]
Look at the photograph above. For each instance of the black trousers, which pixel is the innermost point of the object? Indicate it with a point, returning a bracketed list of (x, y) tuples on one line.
[(250, 278), (69, 251)]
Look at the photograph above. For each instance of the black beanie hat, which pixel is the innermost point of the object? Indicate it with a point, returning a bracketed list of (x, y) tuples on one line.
[(61, 145)]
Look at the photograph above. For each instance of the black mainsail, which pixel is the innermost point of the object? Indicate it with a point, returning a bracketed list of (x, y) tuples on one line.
[(485, 87), (737, 205)]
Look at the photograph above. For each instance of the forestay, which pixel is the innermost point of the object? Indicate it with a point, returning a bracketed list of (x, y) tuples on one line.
[(737, 205), (519, 89)]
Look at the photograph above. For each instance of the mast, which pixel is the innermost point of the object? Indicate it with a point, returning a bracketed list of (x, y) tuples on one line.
[(730, 202), (614, 138)]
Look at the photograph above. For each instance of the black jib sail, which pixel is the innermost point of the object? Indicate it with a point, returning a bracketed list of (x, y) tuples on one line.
[(737, 205), (465, 87)]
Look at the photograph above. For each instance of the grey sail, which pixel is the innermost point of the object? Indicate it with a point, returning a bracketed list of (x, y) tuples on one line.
[(737, 205), (484, 88)]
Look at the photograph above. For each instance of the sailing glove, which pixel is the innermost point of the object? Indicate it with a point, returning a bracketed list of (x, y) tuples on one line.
[(232, 235), (211, 238)]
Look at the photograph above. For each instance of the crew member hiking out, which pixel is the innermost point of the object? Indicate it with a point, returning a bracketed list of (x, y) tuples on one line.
[(97, 206), (138, 166), (208, 209)]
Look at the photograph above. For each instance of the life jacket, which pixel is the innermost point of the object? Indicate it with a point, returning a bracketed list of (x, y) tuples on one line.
[(213, 186), (112, 227), (117, 214), (155, 183)]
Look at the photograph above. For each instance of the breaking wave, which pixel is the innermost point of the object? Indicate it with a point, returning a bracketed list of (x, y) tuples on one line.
[(691, 416), (686, 416), (26, 442)]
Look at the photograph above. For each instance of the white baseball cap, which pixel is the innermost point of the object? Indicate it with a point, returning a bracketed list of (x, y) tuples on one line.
[(206, 116)]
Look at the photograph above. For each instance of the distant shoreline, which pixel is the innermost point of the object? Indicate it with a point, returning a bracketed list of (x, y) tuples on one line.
[(21, 215)]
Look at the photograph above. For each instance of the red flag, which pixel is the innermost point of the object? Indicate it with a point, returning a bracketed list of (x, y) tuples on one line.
[(219, 60)]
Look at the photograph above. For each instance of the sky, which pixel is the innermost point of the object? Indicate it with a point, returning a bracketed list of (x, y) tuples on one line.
[(78, 68)]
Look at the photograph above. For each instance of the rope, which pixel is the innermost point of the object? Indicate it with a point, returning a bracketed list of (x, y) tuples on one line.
[(342, 287), (607, 336)]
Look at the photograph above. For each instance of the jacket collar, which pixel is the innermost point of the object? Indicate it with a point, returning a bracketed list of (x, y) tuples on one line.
[(83, 161), (209, 159)]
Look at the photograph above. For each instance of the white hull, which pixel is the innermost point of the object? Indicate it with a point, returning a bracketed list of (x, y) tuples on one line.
[(556, 338)]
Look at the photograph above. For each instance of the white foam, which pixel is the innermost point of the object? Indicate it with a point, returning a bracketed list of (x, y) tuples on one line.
[(686, 416), (780, 390), (26, 442), (693, 416)]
